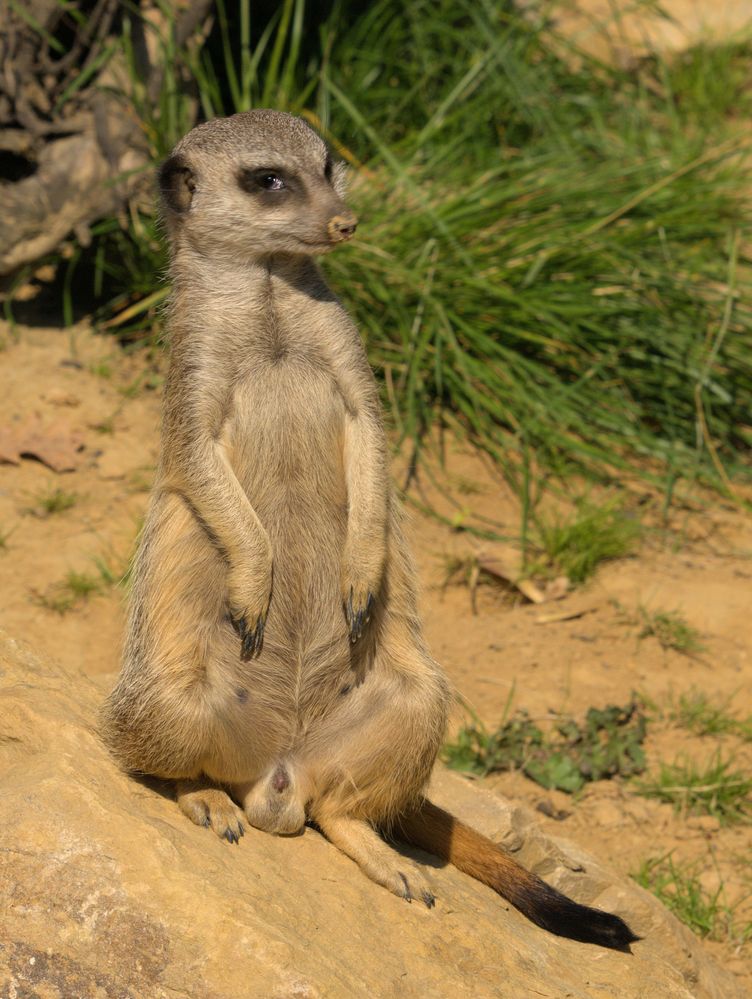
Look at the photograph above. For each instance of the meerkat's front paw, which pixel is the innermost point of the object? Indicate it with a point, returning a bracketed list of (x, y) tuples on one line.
[(361, 580), (251, 637), (248, 600)]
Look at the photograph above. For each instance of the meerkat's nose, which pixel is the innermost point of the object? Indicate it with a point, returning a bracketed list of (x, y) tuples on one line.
[(341, 227)]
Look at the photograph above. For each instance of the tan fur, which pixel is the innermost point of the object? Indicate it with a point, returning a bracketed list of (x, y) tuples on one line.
[(274, 655)]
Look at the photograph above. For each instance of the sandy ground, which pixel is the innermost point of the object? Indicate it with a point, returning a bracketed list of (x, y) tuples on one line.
[(503, 655)]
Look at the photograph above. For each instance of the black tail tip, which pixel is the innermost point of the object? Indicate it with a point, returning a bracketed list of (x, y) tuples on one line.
[(560, 915), (605, 929), (580, 922)]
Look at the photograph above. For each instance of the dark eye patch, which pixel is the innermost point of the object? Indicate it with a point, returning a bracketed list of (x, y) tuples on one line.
[(270, 180)]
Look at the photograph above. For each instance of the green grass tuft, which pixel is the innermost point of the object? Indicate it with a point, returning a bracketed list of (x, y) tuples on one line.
[(710, 82), (76, 586), (102, 369), (714, 789), (701, 715), (679, 888), (53, 501), (577, 545), (672, 631), (107, 425), (81, 585)]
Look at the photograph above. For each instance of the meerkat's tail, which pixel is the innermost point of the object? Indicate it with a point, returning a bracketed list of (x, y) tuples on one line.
[(438, 832)]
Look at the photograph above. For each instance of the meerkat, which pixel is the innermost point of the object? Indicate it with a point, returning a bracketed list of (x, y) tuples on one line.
[(274, 665)]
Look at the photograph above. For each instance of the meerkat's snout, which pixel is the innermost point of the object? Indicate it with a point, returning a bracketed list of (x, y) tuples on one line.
[(341, 227)]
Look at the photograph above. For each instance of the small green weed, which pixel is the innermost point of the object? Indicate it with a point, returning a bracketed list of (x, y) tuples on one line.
[(53, 501), (101, 369), (577, 545), (672, 631), (715, 789), (76, 586), (697, 713), (56, 598), (105, 426), (679, 888), (482, 752), (609, 742), (81, 584)]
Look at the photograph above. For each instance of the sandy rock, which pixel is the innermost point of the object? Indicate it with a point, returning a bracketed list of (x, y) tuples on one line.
[(108, 892)]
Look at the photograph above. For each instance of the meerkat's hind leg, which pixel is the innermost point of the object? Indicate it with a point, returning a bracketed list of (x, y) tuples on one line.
[(210, 806), (360, 841)]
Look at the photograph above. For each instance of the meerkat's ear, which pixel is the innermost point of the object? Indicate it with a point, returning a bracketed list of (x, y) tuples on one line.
[(177, 184), (340, 177)]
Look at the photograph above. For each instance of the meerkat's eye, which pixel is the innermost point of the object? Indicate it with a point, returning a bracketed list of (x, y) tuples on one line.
[(263, 179), (271, 182)]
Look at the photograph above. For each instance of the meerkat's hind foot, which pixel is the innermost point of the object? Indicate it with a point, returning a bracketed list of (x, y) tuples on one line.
[(209, 806), (359, 841)]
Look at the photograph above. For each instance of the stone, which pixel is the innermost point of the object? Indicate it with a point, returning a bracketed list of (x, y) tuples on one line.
[(108, 892)]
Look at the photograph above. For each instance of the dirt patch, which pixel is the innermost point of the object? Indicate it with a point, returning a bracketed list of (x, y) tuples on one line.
[(502, 657)]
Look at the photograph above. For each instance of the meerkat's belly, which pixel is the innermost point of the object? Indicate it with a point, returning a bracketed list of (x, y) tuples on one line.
[(285, 443)]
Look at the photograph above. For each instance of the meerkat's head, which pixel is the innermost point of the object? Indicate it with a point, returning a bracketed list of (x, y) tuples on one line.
[(254, 184)]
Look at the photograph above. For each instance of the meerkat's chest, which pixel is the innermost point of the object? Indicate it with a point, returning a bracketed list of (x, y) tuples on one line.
[(286, 415), (285, 383), (287, 380), (285, 423)]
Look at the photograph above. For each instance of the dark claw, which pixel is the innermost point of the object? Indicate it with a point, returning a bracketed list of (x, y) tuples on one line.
[(241, 829), (428, 899), (407, 896), (357, 626), (357, 620), (248, 645), (252, 640), (207, 822), (230, 836)]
